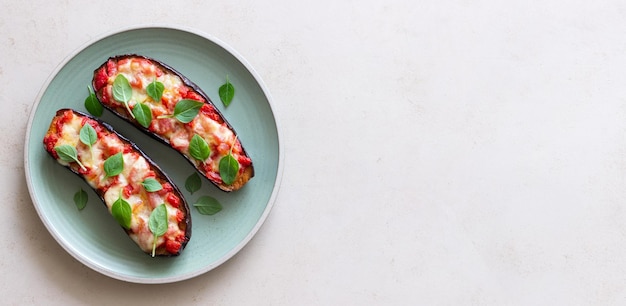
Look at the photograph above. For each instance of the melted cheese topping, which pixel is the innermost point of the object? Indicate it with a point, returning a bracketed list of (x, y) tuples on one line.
[(140, 73), (127, 184)]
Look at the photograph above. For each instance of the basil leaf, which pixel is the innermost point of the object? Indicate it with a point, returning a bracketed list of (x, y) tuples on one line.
[(155, 90), (68, 153), (122, 212), (88, 135), (142, 114), (80, 199), (151, 185), (123, 92), (226, 92), (198, 148), (193, 183), (92, 104), (207, 205), (114, 165), (228, 167), (158, 220), (185, 110), (158, 224), (121, 89)]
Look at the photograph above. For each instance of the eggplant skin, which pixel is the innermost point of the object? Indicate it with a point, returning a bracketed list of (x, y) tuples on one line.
[(120, 111), (184, 224)]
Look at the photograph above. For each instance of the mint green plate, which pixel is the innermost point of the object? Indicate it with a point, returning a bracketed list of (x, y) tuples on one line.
[(91, 235)]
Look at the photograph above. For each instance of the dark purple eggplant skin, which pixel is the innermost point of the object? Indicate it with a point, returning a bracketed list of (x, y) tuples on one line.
[(157, 170), (122, 113)]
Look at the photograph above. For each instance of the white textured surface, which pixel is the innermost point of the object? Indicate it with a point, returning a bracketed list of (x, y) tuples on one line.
[(437, 152)]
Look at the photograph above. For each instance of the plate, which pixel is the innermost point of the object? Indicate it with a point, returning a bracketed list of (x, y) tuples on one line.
[(91, 235)]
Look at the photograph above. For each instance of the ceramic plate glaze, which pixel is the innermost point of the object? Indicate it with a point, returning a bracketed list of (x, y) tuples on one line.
[(91, 235)]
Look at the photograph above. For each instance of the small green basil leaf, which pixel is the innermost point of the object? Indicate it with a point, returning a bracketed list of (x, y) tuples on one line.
[(121, 89), (193, 183), (92, 105), (185, 110), (88, 135), (80, 199), (226, 92), (198, 148), (155, 90), (123, 92), (158, 224), (68, 153), (114, 165), (158, 220), (228, 167), (207, 205), (143, 114), (122, 212), (151, 185)]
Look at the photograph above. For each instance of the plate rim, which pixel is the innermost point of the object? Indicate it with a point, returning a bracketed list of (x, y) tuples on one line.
[(228, 255)]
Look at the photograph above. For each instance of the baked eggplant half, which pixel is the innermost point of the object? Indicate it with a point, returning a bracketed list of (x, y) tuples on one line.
[(137, 193), (169, 107)]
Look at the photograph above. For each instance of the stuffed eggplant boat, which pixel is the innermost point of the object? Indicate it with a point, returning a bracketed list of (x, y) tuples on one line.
[(141, 198), (167, 106)]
